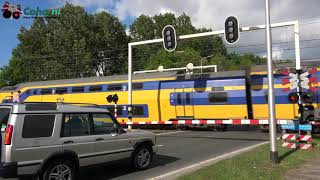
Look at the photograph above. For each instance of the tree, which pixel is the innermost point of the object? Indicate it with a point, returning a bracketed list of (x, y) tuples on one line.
[(75, 44), (171, 60), (147, 27)]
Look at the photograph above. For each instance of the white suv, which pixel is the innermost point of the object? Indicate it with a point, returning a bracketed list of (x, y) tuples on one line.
[(54, 140)]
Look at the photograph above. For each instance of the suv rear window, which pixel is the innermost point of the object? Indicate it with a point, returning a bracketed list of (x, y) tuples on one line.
[(4, 117), (35, 126)]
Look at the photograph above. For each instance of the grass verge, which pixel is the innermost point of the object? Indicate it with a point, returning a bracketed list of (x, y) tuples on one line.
[(255, 164)]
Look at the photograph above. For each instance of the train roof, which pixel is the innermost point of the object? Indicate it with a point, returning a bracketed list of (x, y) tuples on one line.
[(174, 74)]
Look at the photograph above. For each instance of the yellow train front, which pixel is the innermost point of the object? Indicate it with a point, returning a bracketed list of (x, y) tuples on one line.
[(169, 96)]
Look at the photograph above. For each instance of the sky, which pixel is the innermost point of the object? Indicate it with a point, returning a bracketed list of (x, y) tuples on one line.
[(203, 13)]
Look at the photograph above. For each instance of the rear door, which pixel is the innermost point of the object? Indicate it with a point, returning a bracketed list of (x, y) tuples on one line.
[(34, 137), (77, 136)]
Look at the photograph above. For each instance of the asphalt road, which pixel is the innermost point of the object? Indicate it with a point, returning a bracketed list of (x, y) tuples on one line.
[(178, 150)]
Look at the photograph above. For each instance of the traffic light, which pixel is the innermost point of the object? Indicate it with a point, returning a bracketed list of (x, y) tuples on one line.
[(307, 97), (169, 38), (112, 98), (293, 97), (231, 28)]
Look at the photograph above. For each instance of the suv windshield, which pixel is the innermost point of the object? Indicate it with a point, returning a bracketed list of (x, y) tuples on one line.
[(4, 116)]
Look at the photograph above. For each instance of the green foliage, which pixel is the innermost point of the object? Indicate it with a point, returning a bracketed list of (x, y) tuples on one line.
[(78, 44), (74, 45), (256, 164), (176, 59), (147, 27)]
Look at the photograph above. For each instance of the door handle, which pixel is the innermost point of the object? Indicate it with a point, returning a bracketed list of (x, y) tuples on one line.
[(99, 139), (67, 142)]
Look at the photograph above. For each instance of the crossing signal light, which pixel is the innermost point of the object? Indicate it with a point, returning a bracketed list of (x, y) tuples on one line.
[(231, 27), (293, 97), (112, 98), (307, 97), (169, 38)]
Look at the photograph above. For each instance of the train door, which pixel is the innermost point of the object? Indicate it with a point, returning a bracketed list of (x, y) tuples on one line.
[(183, 104)]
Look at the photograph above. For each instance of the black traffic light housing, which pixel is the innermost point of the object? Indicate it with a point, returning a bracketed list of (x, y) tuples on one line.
[(293, 97), (307, 97), (112, 98), (169, 38), (231, 28)]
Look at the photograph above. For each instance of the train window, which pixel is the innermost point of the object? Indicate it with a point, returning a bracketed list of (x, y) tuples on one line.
[(188, 99), (137, 110), (46, 91), (35, 91), (119, 110), (61, 91), (136, 86), (27, 91), (115, 87), (217, 97), (217, 88), (179, 100), (95, 88), (78, 89)]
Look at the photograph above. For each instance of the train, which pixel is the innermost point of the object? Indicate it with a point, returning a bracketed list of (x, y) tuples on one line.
[(165, 96)]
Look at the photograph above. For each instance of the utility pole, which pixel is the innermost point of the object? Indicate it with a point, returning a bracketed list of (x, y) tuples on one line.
[(271, 99)]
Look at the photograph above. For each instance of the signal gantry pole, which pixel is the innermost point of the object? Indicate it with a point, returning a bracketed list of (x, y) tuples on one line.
[(271, 100)]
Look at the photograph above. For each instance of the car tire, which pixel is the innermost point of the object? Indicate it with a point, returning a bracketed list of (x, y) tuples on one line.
[(59, 168), (142, 157)]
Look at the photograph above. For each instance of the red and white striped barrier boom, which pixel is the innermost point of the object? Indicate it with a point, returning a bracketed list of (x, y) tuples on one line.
[(305, 146), (296, 145), (291, 145), (297, 137), (215, 122)]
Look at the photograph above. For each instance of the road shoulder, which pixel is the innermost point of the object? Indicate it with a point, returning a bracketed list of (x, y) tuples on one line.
[(192, 168)]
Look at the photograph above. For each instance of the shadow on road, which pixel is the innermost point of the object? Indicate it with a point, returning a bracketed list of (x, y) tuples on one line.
[(119, 168)]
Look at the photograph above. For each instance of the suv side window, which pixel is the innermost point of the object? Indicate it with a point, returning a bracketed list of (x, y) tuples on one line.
[(4, 117), (36, 126), (103, 124), (76, 125)]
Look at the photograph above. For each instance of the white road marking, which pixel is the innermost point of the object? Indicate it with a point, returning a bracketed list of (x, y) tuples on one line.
[(191, 168), (174, 132)]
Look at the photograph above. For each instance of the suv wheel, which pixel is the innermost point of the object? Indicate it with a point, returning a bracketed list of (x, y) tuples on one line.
[(142, 157), (59, 170)]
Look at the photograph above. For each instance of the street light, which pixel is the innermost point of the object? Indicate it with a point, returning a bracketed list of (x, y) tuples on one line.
[(202, 60)]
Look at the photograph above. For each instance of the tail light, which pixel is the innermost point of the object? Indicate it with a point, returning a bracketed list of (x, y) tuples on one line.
[(8, 135)]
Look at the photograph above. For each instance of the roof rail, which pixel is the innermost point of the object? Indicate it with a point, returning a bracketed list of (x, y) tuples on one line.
[(66, 103)]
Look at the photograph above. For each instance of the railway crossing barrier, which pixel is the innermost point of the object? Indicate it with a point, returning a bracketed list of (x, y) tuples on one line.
[(300, 140), (214, 122)]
